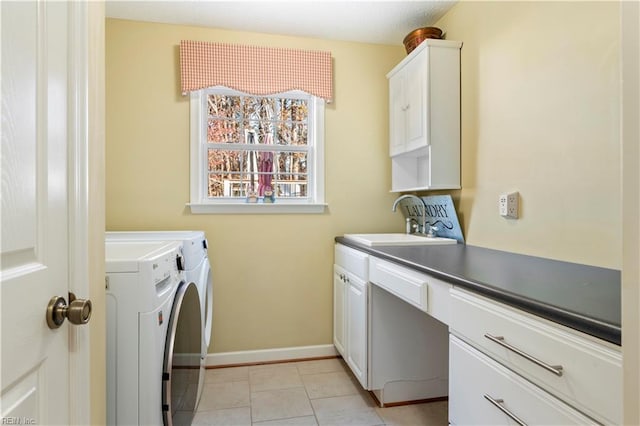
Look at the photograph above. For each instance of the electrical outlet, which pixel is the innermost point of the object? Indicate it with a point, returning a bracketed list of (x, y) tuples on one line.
[(508, 205)]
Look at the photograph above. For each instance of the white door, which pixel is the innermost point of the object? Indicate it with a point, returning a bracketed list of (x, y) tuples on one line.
[(36, 122)]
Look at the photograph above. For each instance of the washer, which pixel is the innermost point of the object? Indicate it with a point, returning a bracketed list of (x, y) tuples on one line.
[(197, 269), (148, 301)]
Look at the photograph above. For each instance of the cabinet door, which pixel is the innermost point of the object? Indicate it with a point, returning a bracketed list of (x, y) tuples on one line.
[(339, 306), (397, 108), (416, 117), (357, 328)]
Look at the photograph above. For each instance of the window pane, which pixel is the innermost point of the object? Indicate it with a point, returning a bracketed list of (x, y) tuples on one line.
[(262, 132), (292, 134), (292, 162), (257, 108), (291, 189), (223, 131), (226, 185), (291, 174), (227, 161), (293, 109), (223, 106)]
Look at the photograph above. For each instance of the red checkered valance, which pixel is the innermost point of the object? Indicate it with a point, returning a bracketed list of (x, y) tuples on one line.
[(255, 70)]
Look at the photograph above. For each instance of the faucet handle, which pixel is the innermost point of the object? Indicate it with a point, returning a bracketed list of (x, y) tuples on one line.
[(411, 227), (432, 231)]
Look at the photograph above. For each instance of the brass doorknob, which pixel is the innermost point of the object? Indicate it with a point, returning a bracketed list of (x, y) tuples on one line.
[(78, 311)]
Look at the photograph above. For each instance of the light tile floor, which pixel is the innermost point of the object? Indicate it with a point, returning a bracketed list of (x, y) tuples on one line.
[(319, 393)]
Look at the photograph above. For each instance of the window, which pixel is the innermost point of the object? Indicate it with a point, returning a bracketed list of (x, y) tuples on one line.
[(252, 154)]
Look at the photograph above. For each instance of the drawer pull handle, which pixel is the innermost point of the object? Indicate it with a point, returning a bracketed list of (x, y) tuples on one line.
[(498, 403), (555, 369)]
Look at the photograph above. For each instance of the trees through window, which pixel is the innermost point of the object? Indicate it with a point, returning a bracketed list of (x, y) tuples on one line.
[(257, 147), (250, 149)]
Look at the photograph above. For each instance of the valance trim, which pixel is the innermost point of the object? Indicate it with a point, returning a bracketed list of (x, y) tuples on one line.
[(255, 70)]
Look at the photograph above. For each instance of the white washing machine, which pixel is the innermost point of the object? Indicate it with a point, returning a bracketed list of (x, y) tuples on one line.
[(147, 297), (197, 269)]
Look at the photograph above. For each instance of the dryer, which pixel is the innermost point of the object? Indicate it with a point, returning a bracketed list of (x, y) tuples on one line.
[(147, 296), (197, 269)]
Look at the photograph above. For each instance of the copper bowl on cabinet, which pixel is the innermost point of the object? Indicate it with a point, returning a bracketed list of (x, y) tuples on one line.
[(417, 36)]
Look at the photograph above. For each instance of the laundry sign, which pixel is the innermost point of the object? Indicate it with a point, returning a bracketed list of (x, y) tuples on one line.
[(440, 213)]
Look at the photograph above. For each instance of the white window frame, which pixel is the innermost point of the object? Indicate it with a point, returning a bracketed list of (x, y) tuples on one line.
[(201, 203)]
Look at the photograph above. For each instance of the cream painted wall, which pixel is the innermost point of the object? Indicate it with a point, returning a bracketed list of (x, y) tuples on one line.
[(540, 115), (272, 273)]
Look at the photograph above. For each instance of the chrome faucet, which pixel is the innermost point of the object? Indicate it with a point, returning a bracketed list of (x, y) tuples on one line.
[(422, 227)]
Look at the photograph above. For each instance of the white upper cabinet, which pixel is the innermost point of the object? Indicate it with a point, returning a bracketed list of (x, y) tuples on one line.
[(424, 118), (408, 95)]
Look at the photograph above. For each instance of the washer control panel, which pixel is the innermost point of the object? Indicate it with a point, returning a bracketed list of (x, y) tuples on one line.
[(169, 265)]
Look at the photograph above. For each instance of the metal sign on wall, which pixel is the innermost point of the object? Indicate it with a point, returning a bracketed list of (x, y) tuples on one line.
[(440, 213)]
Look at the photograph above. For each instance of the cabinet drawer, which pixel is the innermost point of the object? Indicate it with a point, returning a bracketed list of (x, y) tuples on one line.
[(406, 284), (576, 368), (352, 260), (475, 380), (423, 291)]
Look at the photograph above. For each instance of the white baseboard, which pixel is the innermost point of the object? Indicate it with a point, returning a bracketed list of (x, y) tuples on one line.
[(269, 355)]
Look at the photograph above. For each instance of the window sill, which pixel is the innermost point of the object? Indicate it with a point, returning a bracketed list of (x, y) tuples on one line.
[(258, 208)]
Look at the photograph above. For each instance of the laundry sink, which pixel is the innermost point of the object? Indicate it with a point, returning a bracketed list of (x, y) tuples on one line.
[(373, 240)]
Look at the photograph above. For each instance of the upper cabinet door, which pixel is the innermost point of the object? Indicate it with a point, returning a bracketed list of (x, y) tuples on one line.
[(397, 108), (416, 114), (408, 120)]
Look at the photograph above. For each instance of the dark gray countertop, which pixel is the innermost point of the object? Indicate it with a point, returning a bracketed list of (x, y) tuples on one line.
[(585, 298)]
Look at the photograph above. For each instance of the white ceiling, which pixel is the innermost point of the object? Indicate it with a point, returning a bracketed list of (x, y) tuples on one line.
[(383, 22)]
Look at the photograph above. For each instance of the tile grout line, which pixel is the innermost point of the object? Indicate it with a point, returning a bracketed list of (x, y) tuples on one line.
[(315, 416), (301, 374), (348, 373)]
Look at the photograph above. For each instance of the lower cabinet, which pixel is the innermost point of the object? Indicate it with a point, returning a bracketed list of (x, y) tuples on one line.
[(482, 391), (542, 372), (387, 325), (350, 310)]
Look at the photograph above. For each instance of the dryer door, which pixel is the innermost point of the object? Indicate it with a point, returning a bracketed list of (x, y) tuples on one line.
[(181, 374), (206, 278)]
